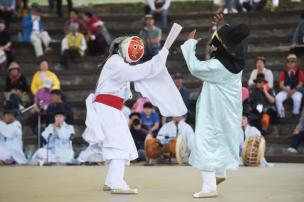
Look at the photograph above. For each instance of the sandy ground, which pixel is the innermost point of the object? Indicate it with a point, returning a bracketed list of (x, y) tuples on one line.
[(281, 183)]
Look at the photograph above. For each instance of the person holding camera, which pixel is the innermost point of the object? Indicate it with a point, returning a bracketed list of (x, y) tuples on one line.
[(139, 133), (262, 100)]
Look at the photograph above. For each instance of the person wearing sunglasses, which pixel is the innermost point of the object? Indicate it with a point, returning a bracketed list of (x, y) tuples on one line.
[(290, 81)]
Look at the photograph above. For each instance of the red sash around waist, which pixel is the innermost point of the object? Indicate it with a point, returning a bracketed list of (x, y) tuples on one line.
[(110, 100)]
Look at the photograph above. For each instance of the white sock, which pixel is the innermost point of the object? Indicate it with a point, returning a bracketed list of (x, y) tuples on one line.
[(209, 181)]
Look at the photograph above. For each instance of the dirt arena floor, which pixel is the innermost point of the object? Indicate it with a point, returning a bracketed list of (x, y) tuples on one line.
[(281, 183)]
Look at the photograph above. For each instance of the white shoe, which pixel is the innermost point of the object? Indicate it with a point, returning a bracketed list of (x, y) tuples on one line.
[(124, 191), (292, 150), (211, 194)]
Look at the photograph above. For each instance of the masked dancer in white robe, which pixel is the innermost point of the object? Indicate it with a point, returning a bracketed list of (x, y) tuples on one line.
[(11, 150), (219, 107), (58, 148), (106, 122)]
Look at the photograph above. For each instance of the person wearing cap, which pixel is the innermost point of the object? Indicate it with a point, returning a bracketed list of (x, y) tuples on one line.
[(33, 32), (290, 81), (11, 146), (73, 45), (57, 101), (105, 121), (262, 101), (215, 147), (158, 7), (260, 68), (6, 55), (41, 75), (16, 85), (151, 36), (58, 147), (7, 9)]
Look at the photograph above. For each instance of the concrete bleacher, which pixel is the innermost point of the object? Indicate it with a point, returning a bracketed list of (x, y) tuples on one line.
[(270, 37)]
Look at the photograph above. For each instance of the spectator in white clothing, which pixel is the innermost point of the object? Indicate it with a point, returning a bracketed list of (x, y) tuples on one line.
[(260, 68)]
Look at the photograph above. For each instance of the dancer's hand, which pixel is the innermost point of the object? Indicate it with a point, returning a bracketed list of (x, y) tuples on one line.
[(192, 35), (218, 20)]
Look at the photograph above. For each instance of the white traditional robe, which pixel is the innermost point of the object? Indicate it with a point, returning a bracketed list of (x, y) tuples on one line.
[(58, 148), (11, 143), (171, 130), (93, 153), (107, 125), (218, 113)]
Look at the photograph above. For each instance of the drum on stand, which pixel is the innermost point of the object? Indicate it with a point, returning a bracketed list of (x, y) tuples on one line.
[(253, 150)]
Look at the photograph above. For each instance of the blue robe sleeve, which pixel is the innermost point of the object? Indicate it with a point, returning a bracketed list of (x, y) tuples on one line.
[(208, 70)]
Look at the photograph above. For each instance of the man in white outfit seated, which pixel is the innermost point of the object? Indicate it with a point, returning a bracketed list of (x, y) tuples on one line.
[(11, 137), (172, 129), (58, 148), (250, 131)]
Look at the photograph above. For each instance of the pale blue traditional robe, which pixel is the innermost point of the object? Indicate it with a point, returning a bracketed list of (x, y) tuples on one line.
[(11, 143), (215, 146)]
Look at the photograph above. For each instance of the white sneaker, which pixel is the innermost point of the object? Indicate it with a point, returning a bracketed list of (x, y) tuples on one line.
[(292, 150)]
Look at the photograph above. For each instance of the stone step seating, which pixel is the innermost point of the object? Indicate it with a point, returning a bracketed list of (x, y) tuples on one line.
[(271, 35)]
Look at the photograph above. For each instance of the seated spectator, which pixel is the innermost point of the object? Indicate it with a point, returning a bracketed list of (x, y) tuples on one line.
[(298, 38), (7, 9), (41, 75), (298, 136), (250, 131), (231, 6), (151, 36), (262, 101), (139, 133), (158, 7), (139, 104), (173, 128), (97, 42), (33, 31), (74, 18), (58, 148), (245, 94), (73, 45), (291, 80), (16, 85), (22, 7), (6, 54), (56, 101), (11, 150), (179, 81), (150, 118), (260, 68), (43, 94)]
